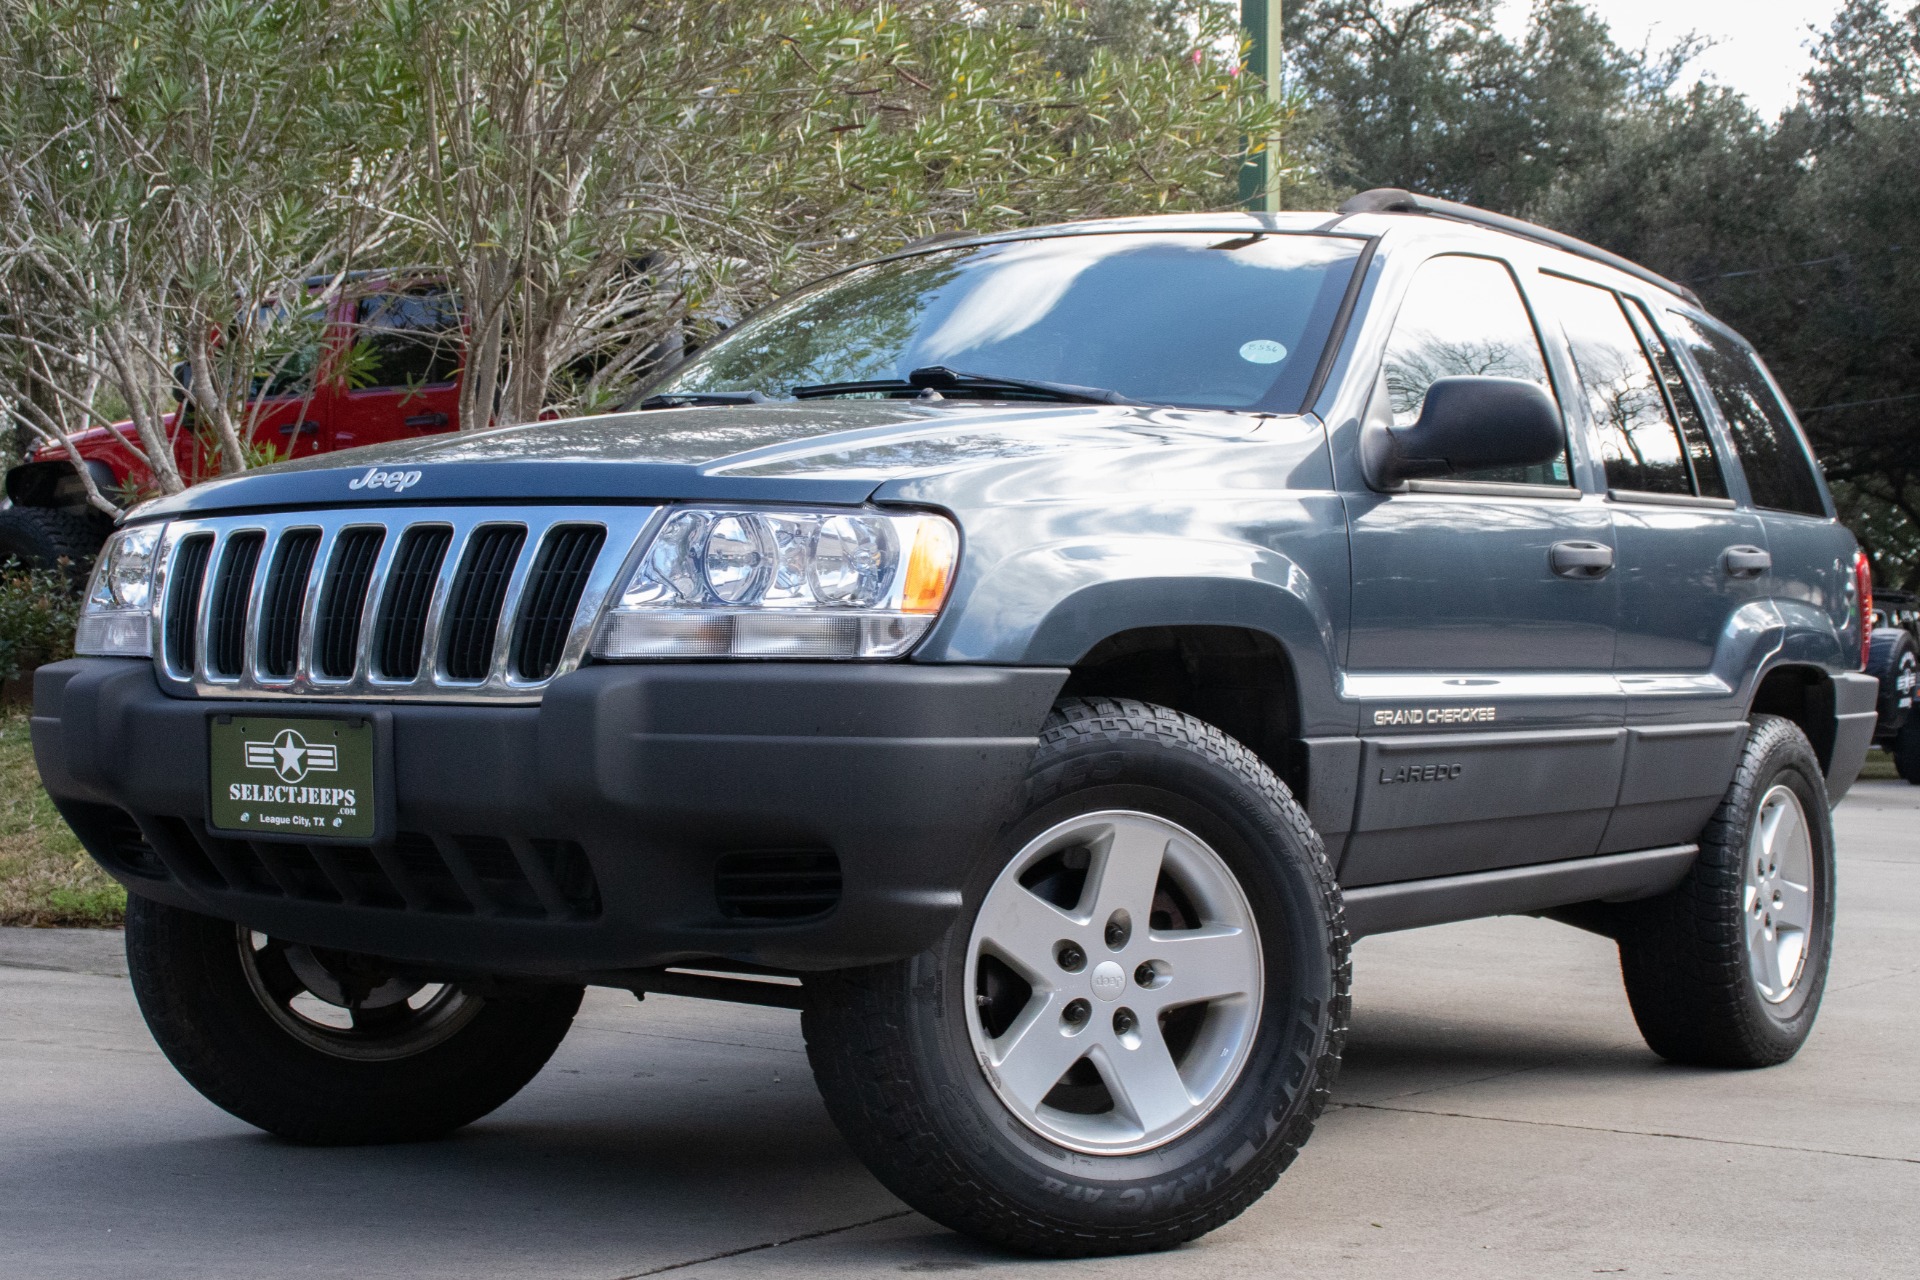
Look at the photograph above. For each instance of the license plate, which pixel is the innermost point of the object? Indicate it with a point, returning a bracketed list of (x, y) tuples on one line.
[(291, 777)]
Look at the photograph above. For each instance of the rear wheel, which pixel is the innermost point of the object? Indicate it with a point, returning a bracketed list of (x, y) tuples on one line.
[(1727, 970), (1906, 751), (1893, 660), (1130, 1031), (328, 1047)]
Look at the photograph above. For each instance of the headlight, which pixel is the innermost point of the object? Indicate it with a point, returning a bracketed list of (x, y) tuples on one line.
[(718, 583), (116, 621)]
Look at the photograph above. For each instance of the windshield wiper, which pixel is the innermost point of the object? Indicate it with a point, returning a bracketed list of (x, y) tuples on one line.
[(939, 379), (679, 399)]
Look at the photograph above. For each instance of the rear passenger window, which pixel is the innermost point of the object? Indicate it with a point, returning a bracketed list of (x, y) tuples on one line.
[(1707, 480), (1639, 442), (1779, 473), (1464, 316), (406, 339)]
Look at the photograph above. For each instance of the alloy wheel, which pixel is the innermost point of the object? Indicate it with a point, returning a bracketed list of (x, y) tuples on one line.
[(1116, 977)]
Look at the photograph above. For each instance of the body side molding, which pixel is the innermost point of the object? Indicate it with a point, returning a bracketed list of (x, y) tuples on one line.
[(1620, 877)]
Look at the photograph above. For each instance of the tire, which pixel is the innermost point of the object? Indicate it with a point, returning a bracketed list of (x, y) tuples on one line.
[(1894, 660), (231, 1010), (41, 537), (1066, 1164), (1695, 959), (1906, 751)]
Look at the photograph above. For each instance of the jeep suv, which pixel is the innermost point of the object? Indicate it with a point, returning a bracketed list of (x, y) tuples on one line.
[(1035, 657), (403, 336)]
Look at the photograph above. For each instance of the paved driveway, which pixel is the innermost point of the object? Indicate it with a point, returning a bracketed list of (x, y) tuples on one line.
[(1498, 1117)]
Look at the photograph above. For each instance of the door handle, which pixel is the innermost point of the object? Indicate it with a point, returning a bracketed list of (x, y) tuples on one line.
[(307, 428), (1745, 562), (425, 420), (1581, 559)]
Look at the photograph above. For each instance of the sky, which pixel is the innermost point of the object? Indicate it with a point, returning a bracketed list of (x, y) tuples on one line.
[(1759, 45)]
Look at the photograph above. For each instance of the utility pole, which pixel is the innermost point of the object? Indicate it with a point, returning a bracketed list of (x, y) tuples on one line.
[(1259, 181)]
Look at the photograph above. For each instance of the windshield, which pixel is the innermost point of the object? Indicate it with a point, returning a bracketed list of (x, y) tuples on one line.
[(1204, 320)]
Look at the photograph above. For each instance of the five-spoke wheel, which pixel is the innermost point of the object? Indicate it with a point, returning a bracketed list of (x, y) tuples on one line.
[(1727, 968), (1117, 981), (1132, 1024), (1779, 894)]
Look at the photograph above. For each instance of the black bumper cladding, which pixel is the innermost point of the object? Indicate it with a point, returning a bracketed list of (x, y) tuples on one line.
[(803, 816)]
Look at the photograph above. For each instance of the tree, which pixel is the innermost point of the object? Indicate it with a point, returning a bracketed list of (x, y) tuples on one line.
[(594, 175), (1429, 96), (170, 176)]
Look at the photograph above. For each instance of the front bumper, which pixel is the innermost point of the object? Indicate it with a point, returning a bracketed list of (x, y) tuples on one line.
[(655, 779)]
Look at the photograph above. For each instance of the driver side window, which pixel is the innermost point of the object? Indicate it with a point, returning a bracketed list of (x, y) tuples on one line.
[(1463, 317)]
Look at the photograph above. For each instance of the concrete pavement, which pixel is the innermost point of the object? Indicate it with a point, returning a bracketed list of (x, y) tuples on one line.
[(1498, 1116)]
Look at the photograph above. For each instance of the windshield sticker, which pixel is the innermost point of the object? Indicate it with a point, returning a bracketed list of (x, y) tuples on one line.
[(1263, 351)]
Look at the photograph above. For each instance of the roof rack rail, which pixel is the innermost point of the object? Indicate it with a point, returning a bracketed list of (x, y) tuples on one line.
[(1396, 200)]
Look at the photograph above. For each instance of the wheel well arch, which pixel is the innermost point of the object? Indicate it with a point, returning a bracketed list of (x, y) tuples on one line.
[(1237, 679), (54, 482), (1804, 695)]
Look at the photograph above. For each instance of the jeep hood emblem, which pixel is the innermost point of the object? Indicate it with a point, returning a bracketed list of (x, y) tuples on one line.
[(398, 481)]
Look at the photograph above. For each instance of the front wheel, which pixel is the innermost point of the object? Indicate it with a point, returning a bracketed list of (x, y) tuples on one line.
[(326, 1047), (1132, 1028)]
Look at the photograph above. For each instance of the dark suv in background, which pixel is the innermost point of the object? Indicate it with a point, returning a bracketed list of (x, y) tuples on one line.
[(1036, 657)]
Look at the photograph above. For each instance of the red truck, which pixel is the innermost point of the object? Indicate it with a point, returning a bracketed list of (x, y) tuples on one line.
[(405, 384)]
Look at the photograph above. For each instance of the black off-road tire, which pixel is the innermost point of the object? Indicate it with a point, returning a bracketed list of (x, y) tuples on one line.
[(1684, 955), (194, 993), (1906, 750), (1894, 660), (41, 537), (890, 1044)]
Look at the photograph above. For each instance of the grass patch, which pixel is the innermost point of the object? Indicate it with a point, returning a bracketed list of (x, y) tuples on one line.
[(1879, 766), (45, 876)]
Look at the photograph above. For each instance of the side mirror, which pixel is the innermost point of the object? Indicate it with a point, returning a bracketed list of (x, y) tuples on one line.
[(182, 380), (1466, 424)]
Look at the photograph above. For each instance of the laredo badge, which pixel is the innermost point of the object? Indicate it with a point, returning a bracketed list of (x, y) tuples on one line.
[(294, 777)]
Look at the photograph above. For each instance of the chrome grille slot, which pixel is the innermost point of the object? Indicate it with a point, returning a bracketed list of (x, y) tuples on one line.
[(227, 611), (283, 600), (553, 597), (183, 602), (402, 627), (479, 591), (445, 604), (343, 600)]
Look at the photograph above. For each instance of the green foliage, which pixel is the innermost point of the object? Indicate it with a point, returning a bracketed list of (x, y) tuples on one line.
[(1430, 97), (38, 612), (45, 877), (1802, 233)]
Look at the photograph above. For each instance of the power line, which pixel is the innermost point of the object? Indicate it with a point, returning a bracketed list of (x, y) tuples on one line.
[(1790, 266), (1859, 404)]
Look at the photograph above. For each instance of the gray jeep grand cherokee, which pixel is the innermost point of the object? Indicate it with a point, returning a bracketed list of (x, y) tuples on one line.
[(1035, 657)]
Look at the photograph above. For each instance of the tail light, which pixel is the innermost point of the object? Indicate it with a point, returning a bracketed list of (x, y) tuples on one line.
[(1863, 587)]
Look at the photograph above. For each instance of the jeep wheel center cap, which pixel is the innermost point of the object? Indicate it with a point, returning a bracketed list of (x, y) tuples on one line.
[(1109, 980)]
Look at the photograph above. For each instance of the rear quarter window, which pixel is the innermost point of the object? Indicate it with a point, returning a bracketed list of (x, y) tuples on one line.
[(1779, 473)]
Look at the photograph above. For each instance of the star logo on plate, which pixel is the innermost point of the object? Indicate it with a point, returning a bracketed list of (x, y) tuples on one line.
[(292, 757)]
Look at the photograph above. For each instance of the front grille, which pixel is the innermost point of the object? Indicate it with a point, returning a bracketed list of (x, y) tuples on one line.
[(402, 624), (777, 885), (281, 605), (443, 604), (552, 596), (485, 876), (343, 600), (473, 615), (183, 601), (227, 614)]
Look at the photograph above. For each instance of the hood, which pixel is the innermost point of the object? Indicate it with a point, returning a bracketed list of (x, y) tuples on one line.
[(836, 452)]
